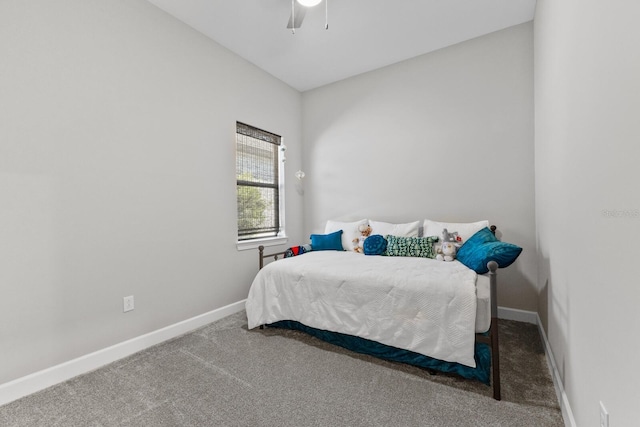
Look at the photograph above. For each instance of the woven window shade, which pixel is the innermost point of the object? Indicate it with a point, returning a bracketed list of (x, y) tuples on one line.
[(257, 182)]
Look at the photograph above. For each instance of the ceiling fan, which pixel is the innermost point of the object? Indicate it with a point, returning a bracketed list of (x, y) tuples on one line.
[(298, 13)]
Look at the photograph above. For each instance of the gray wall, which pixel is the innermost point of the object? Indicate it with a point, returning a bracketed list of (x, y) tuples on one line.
[(587, 147), (117, 174), (446, 136)]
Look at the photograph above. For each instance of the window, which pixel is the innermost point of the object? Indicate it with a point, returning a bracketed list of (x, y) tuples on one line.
[(259, 182)]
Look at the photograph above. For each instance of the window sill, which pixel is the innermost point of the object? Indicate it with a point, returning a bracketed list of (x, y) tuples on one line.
[(254, 243)]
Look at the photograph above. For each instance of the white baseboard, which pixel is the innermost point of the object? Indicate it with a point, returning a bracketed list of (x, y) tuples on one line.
[(518, 315), (567, 414), (47, 377)]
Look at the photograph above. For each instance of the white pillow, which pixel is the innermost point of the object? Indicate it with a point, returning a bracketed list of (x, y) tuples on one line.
[(349, 232), (409, 229), (464, 229)]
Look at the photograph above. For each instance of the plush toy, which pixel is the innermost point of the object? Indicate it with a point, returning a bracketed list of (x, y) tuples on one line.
[(449, 246), (447, 252), (451, 237), (358, 242)]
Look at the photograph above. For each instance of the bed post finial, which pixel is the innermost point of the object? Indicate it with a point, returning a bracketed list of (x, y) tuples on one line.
[(492, 266), (261, 251)]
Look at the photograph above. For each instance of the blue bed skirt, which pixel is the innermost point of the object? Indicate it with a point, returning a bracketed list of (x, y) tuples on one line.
[(361, 345)]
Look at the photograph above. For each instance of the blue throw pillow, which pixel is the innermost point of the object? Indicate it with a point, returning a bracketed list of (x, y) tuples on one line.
[(374, 245), (483, 247), (327, 242)]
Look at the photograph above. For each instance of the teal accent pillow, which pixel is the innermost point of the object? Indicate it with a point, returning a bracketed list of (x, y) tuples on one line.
[(483, 247), (327, 242), (374, 245), (410, 246)]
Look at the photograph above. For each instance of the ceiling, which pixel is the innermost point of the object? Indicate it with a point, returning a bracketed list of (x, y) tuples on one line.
[(363, 35)]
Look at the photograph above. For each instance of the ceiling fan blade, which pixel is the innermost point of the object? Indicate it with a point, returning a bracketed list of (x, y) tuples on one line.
[(299, 16)]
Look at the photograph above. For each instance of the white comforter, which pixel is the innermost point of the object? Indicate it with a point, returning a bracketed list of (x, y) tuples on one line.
[(416, 304)]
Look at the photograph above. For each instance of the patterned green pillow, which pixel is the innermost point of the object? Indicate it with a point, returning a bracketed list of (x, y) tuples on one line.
[(411, 246)]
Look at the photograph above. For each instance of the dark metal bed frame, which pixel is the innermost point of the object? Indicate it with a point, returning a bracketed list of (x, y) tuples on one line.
[(490, 338)]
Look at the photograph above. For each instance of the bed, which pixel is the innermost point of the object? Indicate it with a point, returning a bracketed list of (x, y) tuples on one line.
[(436, 315)]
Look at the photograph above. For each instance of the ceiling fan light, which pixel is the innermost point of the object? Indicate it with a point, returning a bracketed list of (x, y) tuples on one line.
[(309, 3)]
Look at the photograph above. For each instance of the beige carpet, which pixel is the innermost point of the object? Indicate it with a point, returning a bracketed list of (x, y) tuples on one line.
[(224, 375)]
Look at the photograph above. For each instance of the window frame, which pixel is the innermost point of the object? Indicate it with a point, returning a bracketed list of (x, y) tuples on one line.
[(280, 236)]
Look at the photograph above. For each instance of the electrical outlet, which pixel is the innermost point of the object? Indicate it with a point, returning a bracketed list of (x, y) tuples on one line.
[(604, 416), (128, 303)]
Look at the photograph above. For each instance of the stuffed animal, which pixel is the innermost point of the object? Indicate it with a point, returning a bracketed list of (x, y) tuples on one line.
[(447, 252), (449, 247), (451, 237), (358, 242)]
